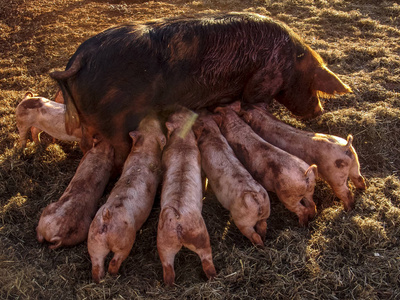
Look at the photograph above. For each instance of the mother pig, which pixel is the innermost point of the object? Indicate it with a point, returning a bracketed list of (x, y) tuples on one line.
[(117, 76)]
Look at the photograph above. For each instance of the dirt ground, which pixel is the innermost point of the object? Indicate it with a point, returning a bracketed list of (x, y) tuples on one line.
[(340, 255)]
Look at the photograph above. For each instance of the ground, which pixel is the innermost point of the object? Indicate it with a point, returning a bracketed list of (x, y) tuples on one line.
[(340, 255)]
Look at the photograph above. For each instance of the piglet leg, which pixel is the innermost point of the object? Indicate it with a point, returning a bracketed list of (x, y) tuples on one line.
[(23, 135), (207, 262), (299, 209), (202, 247), (118, 258), (357, 179), (251, 234), (310, 206), (167, 257), (261, 228), (345, 195), (98, 271)]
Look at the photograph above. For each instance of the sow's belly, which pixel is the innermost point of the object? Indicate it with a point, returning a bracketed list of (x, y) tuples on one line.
[(118, 113)]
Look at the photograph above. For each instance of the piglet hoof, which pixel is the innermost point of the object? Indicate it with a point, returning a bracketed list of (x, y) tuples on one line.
[(361, 183), (257, 241), (261, 229), (349, 206), (97, 274), (169, 276), (113, 267), (348, 201), (22, 145), (209, 269), (303, 221)]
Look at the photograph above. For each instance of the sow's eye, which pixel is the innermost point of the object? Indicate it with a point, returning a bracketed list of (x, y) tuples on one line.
[(300, 56)]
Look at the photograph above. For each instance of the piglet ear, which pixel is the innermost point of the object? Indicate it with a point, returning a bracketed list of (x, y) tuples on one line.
[(246, 116), (161, 141), (197, 128), (218, 119), (327, 82), (96, 140), (235, 106), (170, 128), (137, 138)]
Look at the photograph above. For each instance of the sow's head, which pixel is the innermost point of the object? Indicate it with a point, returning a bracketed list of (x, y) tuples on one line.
[(310, 81)]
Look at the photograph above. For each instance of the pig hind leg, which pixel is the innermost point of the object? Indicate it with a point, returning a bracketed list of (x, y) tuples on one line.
[(261, 228), (168, 243), (295, 205), (359, 182), (310, 206), (252, 235), (342, 191), (205, 255), (202, 248), (356, 177), (35, 133), (121, 246), (97, 259), (167, 250), (23, 134), (207, 262), (118, 258)]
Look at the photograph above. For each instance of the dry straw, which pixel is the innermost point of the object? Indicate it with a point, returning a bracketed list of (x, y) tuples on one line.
[(354, 255)]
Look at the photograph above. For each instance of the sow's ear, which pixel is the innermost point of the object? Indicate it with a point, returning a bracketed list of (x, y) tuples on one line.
[(327, 82)]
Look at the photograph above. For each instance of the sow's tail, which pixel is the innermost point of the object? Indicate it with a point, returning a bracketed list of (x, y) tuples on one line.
[(72, 121)]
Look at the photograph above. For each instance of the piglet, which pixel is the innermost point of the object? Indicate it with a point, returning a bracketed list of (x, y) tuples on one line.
[(129, 204), (292, 179), (181, 223), (335, 157), (232, 184), (44, 115), (35, 132), (66, 222)]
